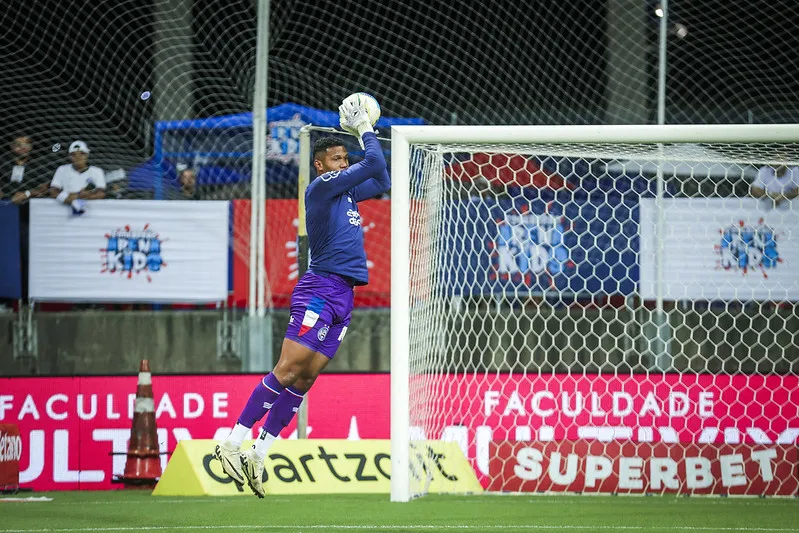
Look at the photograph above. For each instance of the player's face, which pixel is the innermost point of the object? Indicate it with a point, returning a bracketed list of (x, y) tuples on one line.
[(335, 158)]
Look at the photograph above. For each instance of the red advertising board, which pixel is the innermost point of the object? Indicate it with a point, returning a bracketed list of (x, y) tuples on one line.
[(667, 408), (70, 426), (10, 453), (629, 467), (281, 245)]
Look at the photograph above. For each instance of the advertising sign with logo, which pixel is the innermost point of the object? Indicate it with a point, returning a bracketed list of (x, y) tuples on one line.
[(70, 426), (721, 248), (628, 467), (126, 250), (533, 245), (320, 466)]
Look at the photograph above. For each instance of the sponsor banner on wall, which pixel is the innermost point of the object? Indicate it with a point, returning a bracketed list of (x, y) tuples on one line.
[(670, 408), (69, 426), (320, 466), (10, 265), (626, 467), (719, 249), (281, 242), (129, 250), (534, 245)]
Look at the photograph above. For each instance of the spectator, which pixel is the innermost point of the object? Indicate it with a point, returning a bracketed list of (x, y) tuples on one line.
[(21, 177), (187, 179), (776, 186), (71, 182), (185, 187), (116, 184)]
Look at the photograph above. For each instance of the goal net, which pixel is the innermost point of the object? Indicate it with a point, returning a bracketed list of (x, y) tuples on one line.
[(605, 309)]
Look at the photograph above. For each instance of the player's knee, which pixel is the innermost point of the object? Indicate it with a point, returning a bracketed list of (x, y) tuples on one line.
[(304, 383), (288, 373)]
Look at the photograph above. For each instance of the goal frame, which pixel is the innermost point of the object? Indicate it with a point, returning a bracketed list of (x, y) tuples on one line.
[(401, 139)]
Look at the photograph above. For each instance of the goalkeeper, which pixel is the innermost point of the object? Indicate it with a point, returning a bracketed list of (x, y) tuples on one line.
[(322, 301)]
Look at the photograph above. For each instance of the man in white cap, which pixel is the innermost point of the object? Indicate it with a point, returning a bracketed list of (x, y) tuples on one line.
[(71, 182)]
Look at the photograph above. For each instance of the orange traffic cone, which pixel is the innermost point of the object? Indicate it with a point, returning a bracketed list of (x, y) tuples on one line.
[(143, 467)]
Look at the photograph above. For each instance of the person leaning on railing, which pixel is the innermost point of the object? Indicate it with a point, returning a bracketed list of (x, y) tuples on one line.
[(76, 182)]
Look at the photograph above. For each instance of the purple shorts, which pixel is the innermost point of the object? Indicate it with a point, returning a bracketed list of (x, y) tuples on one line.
[(321, 310)]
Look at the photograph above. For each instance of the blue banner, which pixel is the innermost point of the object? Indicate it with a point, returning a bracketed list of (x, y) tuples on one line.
[(587, 247), (10, 263)]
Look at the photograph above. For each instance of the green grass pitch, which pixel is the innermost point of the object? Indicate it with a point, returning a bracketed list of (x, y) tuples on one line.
[(138, 511)]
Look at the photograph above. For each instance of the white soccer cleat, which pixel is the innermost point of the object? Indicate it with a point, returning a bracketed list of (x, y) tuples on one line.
[(253, 471), (231, 464)]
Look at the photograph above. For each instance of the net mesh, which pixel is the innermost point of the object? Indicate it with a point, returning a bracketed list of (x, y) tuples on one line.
[(115, 73), (550, 63), (538, 340), (121, 76)]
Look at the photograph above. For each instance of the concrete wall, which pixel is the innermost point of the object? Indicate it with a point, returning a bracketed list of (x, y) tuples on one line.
[(542, 339), (114, 342)]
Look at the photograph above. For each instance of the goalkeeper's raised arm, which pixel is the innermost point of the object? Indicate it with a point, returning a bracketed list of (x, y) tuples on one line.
[(331, 161)]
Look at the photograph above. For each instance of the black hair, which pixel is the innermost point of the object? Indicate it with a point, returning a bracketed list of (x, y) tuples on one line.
[(322, 145)]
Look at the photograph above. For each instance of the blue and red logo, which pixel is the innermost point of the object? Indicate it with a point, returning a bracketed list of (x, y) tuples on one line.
[(746, 247), (131, 252), (529, 247)]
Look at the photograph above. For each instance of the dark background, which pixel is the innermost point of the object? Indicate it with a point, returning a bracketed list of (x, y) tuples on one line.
[(75, 69)]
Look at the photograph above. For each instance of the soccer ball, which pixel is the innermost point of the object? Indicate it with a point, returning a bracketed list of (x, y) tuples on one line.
[(369, 102)]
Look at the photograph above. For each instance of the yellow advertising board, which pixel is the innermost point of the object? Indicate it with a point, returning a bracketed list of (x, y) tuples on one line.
[(311, 466)]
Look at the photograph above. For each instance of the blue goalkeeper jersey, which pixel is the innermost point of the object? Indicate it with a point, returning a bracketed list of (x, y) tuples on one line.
[(335, 236)]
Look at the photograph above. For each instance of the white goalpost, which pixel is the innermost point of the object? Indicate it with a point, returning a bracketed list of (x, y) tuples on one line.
[(604, 309)]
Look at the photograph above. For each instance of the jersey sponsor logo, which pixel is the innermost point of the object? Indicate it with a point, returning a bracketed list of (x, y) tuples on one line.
[(330, 175), (311, 316), (354, 216), (322, 333)]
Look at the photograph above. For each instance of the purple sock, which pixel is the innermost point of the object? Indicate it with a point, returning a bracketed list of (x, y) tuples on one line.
[(261, 400), (283, 411)]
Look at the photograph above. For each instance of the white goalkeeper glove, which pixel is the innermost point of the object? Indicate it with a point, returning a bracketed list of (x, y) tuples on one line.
[(354, 119)]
